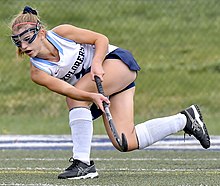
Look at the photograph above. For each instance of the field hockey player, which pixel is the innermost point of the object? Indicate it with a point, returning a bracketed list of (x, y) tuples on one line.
[(65, 60)]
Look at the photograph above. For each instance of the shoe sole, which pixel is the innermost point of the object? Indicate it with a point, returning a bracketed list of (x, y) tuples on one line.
[(199, 119), (87, 176)]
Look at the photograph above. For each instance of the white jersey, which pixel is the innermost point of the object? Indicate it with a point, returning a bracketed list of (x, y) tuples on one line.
[(75, 59)]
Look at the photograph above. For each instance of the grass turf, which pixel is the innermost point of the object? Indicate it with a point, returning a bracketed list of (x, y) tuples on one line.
[(176, 44), (183, 168)]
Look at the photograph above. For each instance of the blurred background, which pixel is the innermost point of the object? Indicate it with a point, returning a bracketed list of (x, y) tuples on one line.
[(176, 43)]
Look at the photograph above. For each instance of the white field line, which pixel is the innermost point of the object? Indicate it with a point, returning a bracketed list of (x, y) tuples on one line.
[(21, 184), (33, 184), (29, 169), (99, 142), (39, 184), (114, 159)]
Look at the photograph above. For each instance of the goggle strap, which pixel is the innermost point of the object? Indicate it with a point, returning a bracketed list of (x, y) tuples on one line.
[(24, 23), (36, 29), (21, 34)]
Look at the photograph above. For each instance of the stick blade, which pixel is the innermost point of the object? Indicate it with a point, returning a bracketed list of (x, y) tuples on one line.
[(124, 143)]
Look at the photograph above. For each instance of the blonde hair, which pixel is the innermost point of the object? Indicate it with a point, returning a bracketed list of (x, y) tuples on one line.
[(28, 17)]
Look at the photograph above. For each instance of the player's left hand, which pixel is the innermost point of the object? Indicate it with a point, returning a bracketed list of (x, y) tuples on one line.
[(97, 69)]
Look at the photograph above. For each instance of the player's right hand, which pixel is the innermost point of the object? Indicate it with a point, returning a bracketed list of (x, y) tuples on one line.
[(98, 100)]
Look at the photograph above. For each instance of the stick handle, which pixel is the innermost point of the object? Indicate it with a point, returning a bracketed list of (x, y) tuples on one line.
[(123, 141), (99, 85), (100, 88)]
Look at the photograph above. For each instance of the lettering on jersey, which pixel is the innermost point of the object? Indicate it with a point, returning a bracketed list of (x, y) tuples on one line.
[(76, 65)]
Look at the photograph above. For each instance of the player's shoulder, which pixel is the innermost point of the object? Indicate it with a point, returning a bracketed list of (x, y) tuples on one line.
[(64, 29)]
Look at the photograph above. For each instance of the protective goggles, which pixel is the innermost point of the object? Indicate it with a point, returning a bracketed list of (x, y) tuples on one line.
[(27, 36)]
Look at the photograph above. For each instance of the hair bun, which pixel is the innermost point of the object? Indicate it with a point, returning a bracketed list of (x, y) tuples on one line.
[(28, 9)]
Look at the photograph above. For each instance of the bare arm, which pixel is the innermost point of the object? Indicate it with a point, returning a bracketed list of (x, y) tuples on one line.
[(84, 36), (63, 88)]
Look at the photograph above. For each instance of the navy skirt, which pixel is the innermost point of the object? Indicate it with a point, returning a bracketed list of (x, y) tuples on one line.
[(126, 57)]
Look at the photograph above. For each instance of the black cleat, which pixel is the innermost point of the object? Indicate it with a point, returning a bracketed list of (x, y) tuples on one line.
[(79, 170), (195, 125)]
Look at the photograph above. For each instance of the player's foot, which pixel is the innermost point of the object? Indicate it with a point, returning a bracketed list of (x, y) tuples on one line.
[(79, 170), (195, 125)]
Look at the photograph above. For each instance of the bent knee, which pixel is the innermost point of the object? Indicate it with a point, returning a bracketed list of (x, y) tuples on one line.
[(71, 103), (126, 146)]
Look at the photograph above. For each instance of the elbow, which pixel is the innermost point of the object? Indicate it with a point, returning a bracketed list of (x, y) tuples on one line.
[(102, 39), (106, 39), (36, 76), (33, 78), (33, 74)]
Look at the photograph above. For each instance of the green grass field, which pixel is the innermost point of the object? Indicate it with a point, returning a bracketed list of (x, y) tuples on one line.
[(142, 168), (176, 43)]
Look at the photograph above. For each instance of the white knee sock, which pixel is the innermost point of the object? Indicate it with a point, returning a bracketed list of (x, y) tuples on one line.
[(82, 129), (154, 130)]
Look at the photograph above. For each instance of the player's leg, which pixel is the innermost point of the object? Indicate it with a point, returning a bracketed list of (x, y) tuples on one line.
[(80, 121), (122, 112), (114, 81), (144, 134), (190, 120), (80, 117)]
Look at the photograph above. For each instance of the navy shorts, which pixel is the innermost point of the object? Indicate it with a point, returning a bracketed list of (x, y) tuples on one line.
[(126, 57)]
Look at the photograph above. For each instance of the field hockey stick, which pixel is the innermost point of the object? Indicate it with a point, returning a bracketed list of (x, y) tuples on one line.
[(123, 141)]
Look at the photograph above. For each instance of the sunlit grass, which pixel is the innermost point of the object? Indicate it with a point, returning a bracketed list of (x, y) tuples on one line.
[(176, 44)]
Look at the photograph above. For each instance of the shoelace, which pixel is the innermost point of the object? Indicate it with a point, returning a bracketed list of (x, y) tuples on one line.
[(74, 163), (184, 136), (71, 160), (195, 125)]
